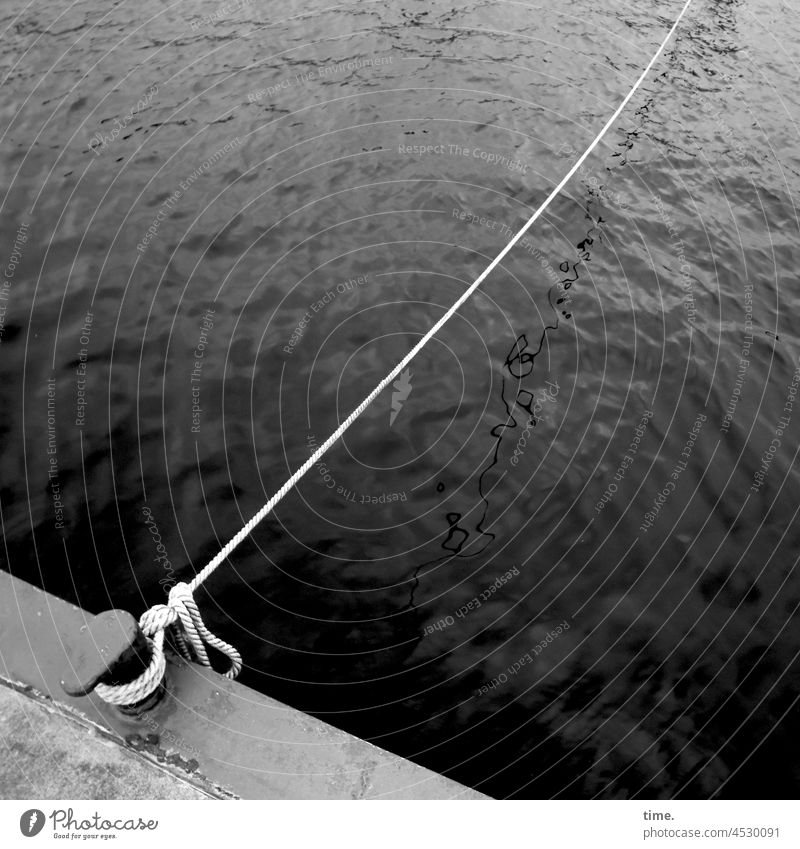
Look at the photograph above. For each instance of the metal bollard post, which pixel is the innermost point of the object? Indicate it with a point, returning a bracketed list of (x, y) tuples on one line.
[(109, 649)]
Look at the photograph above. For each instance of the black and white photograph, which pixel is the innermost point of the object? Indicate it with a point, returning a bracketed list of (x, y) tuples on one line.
[(400, 403)]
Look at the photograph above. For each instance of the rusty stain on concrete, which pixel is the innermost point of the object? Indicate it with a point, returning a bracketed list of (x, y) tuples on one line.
[(51, 754)]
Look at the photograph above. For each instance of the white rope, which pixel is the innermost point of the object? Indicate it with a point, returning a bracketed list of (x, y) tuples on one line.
[(182, 608), (191, 636)]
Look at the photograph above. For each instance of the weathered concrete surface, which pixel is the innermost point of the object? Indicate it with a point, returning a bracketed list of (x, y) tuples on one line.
[(217, 729), (47, 753)]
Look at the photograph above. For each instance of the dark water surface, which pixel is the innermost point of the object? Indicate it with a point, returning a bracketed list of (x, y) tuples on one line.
[(225, 237)]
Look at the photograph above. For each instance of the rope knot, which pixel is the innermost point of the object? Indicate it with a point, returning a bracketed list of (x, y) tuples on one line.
[(188, 629), (179, 596), (191, 636), (158, 618)]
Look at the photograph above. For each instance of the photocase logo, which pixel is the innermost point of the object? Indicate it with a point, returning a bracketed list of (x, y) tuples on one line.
[(402, 388), (31, 822)]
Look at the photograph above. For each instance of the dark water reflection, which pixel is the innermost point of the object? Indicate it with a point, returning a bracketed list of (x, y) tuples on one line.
[(231, 238)]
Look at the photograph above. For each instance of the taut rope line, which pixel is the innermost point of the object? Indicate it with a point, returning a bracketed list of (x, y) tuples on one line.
[(181, 613)]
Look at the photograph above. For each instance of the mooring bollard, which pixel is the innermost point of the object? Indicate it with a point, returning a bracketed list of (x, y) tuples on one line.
[(110, 649)]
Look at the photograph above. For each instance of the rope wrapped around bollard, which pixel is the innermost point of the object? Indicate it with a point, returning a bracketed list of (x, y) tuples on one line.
[(191, 636)]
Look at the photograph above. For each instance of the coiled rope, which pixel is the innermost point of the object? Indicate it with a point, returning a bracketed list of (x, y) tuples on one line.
[(180, 614)]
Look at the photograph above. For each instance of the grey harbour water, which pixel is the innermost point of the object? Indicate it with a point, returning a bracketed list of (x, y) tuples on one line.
[(223, 223)]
